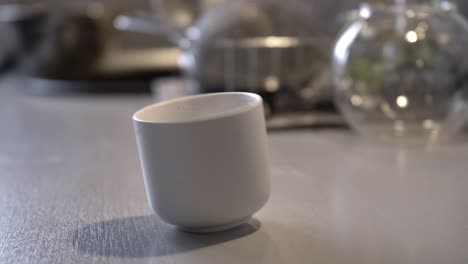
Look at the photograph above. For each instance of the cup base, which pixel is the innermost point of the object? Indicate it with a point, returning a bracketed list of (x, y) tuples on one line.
[(211, 229)]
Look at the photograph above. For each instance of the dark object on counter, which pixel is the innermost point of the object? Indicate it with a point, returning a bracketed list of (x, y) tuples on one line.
[(117, 72), (82, 45), (19, 34), (306, 120), (40, 86), (69, 45), (79, 49), (27, 20)]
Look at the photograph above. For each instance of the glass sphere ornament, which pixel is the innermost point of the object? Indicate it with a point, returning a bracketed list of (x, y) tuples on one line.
[(400, 70)]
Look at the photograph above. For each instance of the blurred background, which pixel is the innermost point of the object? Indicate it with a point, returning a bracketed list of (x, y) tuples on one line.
[(171, 48), (126, 46)]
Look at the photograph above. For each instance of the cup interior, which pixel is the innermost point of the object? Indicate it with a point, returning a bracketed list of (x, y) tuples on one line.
[(198, 108)]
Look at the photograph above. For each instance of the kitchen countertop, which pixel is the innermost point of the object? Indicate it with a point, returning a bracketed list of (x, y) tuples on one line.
[(71, 191)]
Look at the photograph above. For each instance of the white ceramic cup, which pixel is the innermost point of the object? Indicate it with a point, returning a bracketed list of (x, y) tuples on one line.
[(205, 159)]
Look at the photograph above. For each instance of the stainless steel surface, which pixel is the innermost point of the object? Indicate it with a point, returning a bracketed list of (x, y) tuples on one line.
[(71, 191)]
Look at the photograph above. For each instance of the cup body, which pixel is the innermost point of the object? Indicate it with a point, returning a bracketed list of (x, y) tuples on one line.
[(205, 159)]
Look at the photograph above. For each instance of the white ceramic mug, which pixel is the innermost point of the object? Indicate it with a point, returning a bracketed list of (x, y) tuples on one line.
[(205, 159)]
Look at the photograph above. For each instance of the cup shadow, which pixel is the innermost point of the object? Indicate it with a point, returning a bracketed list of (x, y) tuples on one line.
[(147, 236)]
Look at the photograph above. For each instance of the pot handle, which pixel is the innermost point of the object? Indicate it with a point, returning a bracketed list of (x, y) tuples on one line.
[(146, 22)]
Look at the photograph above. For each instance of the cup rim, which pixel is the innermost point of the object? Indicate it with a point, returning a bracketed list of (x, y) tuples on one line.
[(230, 113)]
